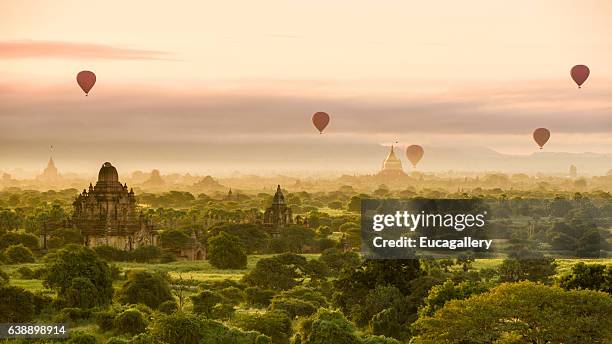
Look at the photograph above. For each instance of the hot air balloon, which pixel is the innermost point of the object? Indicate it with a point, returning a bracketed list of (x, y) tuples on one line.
[(541, 136), (414, 154), (580, 74), (86, 80), (320, 121)]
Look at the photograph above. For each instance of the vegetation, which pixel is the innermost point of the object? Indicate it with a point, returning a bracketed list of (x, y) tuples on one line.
[(309, 284), (147, 288), (227, 251)]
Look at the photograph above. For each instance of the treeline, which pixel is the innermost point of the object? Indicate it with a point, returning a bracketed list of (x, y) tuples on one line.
[(336, 298)]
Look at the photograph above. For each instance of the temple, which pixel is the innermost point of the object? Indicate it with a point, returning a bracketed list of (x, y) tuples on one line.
[(106, 214), (392, 166), (50, 174), (278, 215)]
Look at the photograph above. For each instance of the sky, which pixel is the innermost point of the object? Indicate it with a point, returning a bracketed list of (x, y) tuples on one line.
[(231, 85)]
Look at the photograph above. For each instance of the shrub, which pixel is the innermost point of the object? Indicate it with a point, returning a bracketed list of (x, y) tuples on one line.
[(220, 284), (145, 254), (130, 321), (78, 337), (275, 324), (305, 294), (327, 327), (79, 262), (588, 276), (168, 307), (146, 288), (535, 270), (326, 243), (174, 239), (16, 254), (204, 301), (26, 273), (337, 260), (110, 253), (17, 305), (183, 328), (42, 302), (14, 238), (232, 294), (226, 251), (61, 237), (222, 311), (143, 338), (105, 319), (258, 297), (72, 314), (293, 307), (81, 293), (179, 328), (167, 257), (280, 272), (116, 340)]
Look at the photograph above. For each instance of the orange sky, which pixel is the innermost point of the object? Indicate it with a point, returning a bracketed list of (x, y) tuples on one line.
[(475, 68)]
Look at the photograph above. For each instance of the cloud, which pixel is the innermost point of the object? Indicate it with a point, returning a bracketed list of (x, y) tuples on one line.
[(74, 50), (156, 114)]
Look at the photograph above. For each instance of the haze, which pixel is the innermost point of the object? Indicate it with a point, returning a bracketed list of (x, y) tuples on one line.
[(214, 87)]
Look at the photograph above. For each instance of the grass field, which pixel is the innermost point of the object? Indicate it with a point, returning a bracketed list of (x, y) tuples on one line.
[(203, 271)]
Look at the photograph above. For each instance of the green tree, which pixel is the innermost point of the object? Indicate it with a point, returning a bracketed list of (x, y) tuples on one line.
[(578, 234), (17, 305), (15, 238), (527, 269), (82, 293), (525, 311), (253, 237), (79, 337), (258, 297), (146, 288), (174, 239), (325, 327), (183, 328), (226, 251), (75, 261), (130, 321), (282, 272), (354, 204), (16, 254), (588, 276), (205, 301), (353, 286), (110, 253), (274, 324), (337, 260), (145, 254), (449, 290), (64, 236)]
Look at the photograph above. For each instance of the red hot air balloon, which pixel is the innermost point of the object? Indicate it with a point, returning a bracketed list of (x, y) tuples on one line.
[(414, 154), (86, 80), (541, 136), (320, 121), (580, 73)]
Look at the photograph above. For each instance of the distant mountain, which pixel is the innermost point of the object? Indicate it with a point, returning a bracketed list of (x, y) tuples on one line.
[(483, 159)]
